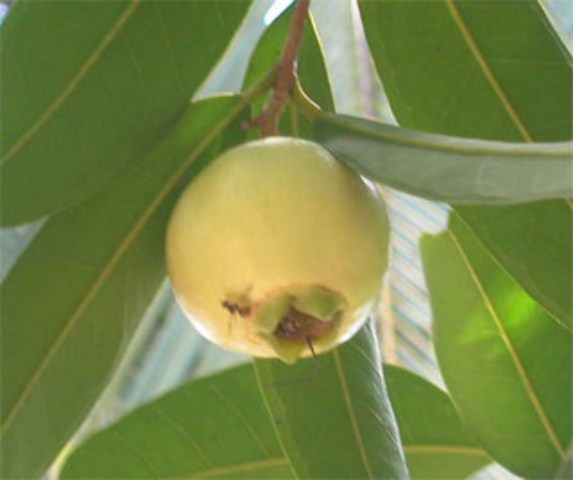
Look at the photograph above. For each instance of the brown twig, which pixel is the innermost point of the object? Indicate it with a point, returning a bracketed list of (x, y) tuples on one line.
[(268, 120)]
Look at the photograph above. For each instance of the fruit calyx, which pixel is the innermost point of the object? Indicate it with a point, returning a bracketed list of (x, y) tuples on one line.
[(298, 318)]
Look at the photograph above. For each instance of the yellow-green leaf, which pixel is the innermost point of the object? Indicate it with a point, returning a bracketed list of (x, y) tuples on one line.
[(505, 360)]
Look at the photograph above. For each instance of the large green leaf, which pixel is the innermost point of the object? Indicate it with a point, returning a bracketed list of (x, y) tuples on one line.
[(535, 244), (332, 414), (212, 428), (493, 70), (505, 360), (436, 442), (180, 435), (87, 86), (452, 169), (471, 68), (73, 299)]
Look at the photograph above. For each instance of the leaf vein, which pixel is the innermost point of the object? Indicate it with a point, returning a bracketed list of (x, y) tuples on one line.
[(437, 448), (186, 434), (352, 414), (170, 49), (244, 420), (487, 71), (122, 248), (72, 85), (244, 467), (525, 380)]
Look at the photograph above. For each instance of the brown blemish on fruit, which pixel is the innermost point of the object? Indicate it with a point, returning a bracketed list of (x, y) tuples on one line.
[(300, 327)]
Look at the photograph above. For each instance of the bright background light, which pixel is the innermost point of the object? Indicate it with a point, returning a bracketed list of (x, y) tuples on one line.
[(275, 10)]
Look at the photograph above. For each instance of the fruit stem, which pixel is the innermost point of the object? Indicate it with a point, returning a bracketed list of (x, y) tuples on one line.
[(285, 75)]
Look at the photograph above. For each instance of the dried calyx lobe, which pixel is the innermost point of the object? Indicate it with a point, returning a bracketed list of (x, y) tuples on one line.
[(301, 327), (293, 319)]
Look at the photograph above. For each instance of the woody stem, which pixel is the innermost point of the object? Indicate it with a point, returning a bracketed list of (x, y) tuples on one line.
[(285, 76)]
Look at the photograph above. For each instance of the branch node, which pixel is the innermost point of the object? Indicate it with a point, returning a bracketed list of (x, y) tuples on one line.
[(286, 77)]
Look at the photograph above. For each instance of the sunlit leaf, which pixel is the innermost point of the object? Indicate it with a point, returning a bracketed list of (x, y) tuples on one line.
[(505, 360), (436, 442), (220, 427), (534, 243), (182, 433), (493, 70)]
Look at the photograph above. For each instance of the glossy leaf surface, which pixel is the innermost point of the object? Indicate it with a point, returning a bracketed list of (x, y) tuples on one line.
[(213, 428), (436, 442), (113, 76), (332, 414), (469, 68), (181, 434), (505, 360), (450, 169), (535, 244), (494, 70), (73, 299)]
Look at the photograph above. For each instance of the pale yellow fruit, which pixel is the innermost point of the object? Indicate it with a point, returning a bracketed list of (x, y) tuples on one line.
[(277, 247)]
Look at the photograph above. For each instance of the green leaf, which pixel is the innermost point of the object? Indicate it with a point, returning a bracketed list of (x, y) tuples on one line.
[(471, 68), (534, 244), (179, 434), (332, 414), (212, 428), (312, 72), (505, 360), (73, 299), (114, 75), (494, 70), (436, 442), (451, 169)]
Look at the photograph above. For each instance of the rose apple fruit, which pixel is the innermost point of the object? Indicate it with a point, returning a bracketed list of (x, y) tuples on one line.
[(277, 249)]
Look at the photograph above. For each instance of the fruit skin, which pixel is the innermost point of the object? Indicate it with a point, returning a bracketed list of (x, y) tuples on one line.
[(269, 223)]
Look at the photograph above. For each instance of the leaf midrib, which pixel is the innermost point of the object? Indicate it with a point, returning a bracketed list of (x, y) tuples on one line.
[(445, 448), (511, 111), (487, 71), (352, 414), (506, 270), (116, 258), (511, 350), (242, 467), (456, 145), (92, 59)]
